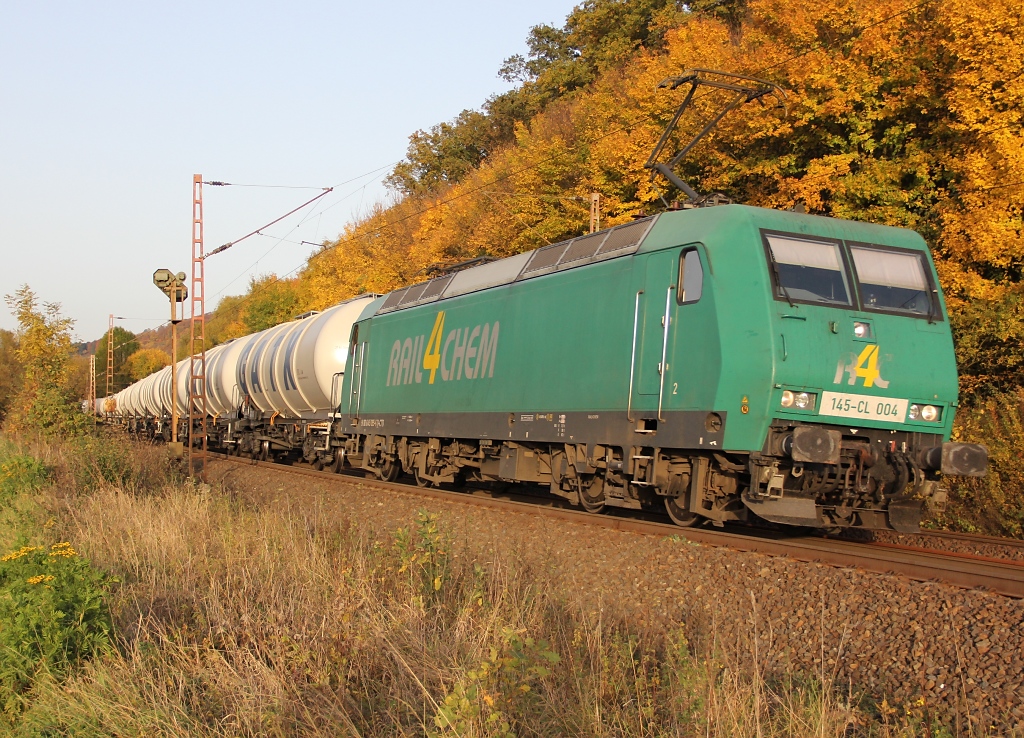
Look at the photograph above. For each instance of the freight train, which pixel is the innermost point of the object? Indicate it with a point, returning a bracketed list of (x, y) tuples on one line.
[(726, 363)]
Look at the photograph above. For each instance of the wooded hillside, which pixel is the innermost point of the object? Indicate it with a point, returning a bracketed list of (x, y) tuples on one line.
[(901, 113)]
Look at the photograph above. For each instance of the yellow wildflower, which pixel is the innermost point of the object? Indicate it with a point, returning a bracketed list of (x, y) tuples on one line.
[(63, 549), (23, 551), (40, 578)]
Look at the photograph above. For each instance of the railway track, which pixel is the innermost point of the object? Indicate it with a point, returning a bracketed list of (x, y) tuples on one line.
[(969, 571)]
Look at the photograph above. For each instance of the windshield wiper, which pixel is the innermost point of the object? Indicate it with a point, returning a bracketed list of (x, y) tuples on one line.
[(778, 278)]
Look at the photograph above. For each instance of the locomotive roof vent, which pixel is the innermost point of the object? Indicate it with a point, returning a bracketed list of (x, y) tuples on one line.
[(576, 252)]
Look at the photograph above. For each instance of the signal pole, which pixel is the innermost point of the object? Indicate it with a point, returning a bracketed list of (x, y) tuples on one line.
[(110, 355), (197, 358), (595, 211), (92, 385)]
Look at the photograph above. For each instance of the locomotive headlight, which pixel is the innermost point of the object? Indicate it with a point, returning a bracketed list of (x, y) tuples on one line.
[(861, 330), (787, 398), (927, 413), (804, 400)]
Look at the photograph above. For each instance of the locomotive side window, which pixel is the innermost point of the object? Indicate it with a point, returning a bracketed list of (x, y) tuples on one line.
[(892, 280), (691, 277), (808, 271)]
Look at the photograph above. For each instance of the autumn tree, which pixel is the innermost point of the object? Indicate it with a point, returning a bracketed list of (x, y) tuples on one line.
[(900, 114), (10, 370), (146, 361), (44, 402)]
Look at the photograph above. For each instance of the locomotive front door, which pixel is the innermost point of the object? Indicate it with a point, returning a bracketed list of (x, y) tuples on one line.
[(655, 310)]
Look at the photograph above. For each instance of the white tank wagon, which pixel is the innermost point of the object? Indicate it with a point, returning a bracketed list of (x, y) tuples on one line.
[(289, 375), (295, 369)]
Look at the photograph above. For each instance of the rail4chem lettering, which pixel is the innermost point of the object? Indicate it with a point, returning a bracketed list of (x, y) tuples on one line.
[(865, 366), (468, 353)]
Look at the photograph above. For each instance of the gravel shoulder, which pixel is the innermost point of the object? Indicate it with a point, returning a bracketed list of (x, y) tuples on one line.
[(960, 651)]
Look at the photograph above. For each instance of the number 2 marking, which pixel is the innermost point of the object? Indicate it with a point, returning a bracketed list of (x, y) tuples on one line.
[(675, 388)]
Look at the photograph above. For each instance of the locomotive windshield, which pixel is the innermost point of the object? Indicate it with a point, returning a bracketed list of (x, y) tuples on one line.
[(892, 280), (809, 271)]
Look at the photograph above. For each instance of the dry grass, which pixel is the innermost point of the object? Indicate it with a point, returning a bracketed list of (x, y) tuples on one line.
[(235, 620)]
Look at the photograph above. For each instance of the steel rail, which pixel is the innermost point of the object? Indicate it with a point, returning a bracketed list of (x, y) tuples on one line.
[(1001, 576), (974, 538)]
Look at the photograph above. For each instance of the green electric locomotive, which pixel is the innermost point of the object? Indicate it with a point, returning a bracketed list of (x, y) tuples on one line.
[(724, 362)]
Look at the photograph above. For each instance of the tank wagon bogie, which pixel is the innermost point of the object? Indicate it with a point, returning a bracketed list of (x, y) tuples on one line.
[(725, 363)]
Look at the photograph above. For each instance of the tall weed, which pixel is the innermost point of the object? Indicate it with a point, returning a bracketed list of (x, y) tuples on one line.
[(52, 617), (53, 614), (282, 621)]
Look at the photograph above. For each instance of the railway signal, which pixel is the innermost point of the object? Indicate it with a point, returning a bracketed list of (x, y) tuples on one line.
[(173, 285)]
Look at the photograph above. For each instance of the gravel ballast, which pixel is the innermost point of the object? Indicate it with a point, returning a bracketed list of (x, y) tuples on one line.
[(961, 651)]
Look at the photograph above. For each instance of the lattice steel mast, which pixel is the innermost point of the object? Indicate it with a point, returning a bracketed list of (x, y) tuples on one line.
[(197, 359)]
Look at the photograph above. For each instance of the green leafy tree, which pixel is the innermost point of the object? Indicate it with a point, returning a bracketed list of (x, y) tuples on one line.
[(271, 301), (44, 402)]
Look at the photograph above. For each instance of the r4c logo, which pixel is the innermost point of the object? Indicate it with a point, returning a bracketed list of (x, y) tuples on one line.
[(432, 356), (863, 367)]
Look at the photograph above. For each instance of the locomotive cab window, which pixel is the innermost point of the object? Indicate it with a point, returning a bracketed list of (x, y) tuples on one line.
[(691, 277), (892, 280), (808, 271)]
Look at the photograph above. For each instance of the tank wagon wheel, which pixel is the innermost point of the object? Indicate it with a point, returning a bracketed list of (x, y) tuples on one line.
[(592, 495), (317, 463), (680, 515), (421, 481), (390, 470), (338, 465)]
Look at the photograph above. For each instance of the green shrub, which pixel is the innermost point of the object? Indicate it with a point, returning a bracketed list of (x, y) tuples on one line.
[(993, 504), (52, 617), (20, 473), (97, 461)]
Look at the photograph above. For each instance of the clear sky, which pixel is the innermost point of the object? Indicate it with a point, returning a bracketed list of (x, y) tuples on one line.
[(107, 109)]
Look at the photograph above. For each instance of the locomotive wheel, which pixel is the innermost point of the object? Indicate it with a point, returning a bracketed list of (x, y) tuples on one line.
[(592, 495), (680, 515)]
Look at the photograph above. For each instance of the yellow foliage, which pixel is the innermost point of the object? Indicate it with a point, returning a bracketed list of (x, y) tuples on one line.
[(144, 362), (900, 113)]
